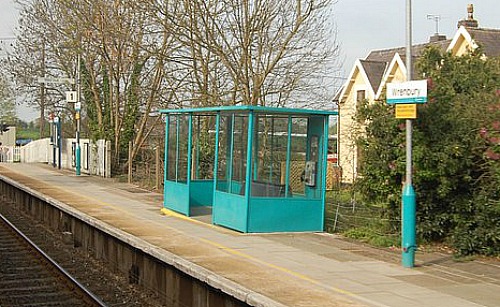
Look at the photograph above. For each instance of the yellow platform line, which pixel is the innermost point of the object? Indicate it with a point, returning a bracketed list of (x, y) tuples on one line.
[(235, 252)]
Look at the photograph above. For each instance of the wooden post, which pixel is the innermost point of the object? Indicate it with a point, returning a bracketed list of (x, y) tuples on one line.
[(130, 162)]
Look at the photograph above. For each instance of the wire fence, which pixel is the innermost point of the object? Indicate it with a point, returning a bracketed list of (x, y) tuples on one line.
[(343, 211), (146, 168), (346, 214)]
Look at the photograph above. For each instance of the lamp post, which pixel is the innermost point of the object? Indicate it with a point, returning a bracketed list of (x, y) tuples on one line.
[(408, 240), (78, 106)]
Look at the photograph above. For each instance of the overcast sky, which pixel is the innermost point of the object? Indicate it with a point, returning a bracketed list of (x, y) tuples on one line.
[(365, 25), (8, 17), (362, 25)]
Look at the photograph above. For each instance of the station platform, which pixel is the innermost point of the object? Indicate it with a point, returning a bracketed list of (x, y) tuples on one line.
[(286, 269)]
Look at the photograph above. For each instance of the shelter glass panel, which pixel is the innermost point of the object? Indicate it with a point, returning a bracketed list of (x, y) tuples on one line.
[(172, 148), (182, 167), (233, 138), (225, 133), (239, 155), (270, 157), (203, 147), (298, 155), (178, 148)]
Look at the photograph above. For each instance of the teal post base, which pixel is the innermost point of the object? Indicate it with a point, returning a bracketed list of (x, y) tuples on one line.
[(77, 159), (408, 242)]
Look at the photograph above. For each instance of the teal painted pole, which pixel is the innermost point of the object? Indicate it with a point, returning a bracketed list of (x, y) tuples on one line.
[(54, 144), (324, 163), (59, 143), (165, 156), (78, 158), (250, 144), (189, 168), (230, 161), (177, 132), (77, 116), (288, 155), (198, 134), (249, 154), (408, 227), (409, 242), (216, 166)]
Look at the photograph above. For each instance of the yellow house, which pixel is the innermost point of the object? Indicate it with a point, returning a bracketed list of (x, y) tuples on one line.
[(369, 76)]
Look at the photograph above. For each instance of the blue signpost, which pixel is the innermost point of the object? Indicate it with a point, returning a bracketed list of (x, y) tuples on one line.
[(409, 226), (410, 92), (409, 217)]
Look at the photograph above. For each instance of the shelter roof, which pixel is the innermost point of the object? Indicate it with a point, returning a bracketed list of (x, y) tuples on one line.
[(248, 109)]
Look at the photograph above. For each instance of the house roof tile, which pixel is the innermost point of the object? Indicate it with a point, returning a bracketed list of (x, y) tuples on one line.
[(374, 71), (386, 55), (377, 61), (489, 39)]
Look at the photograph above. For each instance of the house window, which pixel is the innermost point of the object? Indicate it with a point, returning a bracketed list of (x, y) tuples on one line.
[(360, 95)]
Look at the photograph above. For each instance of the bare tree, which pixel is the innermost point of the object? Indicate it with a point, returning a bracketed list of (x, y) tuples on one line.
[(260, 52), (122, 75), (141, 56)]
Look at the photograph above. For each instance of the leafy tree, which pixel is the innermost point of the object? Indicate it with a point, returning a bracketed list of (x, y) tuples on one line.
[(455, 148)]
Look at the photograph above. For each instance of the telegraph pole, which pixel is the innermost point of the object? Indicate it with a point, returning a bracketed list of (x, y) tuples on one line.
[(78, 106)]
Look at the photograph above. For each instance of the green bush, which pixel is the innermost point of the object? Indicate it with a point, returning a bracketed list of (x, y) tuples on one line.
[(371, 236), (456, 153)]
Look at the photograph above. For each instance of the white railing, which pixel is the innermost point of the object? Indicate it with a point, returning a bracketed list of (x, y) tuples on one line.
[(10, 154), (36, 151), (95, 157)]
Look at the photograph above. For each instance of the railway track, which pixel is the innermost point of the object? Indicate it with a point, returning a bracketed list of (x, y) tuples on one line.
[(30, 277)]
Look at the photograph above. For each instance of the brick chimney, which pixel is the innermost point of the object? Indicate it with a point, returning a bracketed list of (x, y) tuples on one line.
[(437, 38), (470, 22)]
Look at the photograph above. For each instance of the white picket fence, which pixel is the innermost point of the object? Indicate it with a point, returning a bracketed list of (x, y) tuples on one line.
[(95, 157), (10, 154)]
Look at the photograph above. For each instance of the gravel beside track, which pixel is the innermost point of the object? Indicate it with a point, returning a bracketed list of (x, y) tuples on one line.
[(23, 281)]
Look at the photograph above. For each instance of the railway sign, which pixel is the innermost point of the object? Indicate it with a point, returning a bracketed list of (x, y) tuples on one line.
[(78, 106), (71, 96), (407, 92), (49, 80), (408, 111)]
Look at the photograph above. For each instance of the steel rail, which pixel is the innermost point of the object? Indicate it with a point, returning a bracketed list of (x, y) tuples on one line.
[(86, 294)]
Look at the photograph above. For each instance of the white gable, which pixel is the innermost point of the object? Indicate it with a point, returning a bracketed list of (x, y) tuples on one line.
[(350, 81), (461, 35), (388, 74)]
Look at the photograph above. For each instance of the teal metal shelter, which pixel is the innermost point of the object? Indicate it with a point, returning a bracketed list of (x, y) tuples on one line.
[(259, 169)]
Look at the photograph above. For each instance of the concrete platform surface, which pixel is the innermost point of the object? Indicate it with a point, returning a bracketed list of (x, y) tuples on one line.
[(299, 269)]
